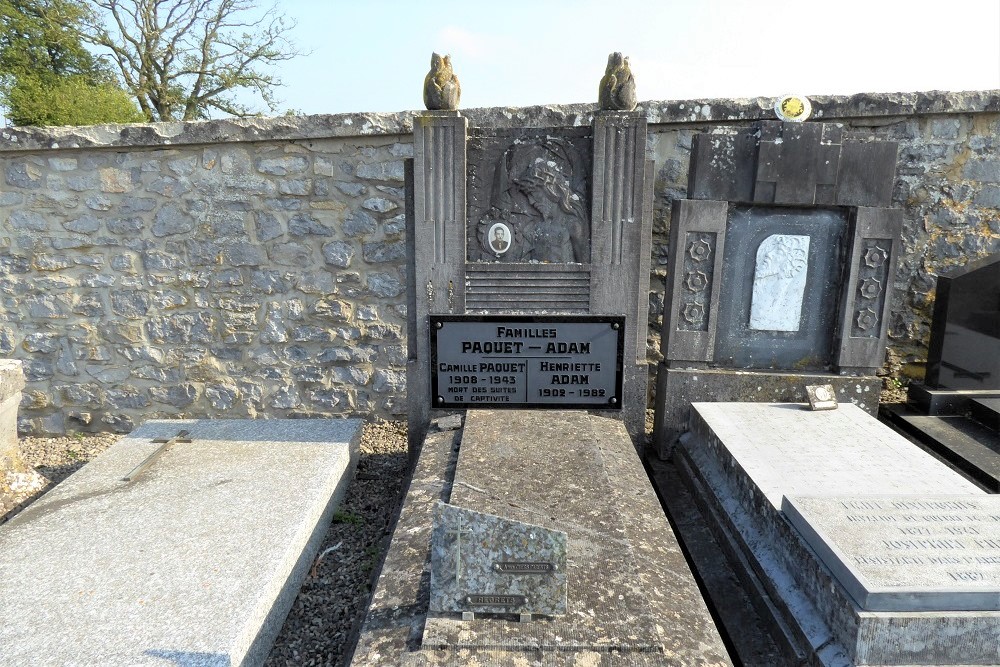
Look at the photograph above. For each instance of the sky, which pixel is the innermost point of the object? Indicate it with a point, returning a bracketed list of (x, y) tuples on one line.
[(373, 55)]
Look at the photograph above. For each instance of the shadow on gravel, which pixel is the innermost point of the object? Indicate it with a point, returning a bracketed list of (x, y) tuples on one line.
[(323, 623), (56, 474)]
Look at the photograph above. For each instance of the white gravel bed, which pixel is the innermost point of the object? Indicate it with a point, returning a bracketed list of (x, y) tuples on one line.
[(330, 606)]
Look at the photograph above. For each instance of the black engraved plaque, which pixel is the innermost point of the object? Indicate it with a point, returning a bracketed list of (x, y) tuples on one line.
[(496, 600), (534, 362), (516, 567)]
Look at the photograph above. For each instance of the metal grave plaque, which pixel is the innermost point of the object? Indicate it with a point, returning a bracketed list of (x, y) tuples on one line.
[(482, 563), (517, 362)]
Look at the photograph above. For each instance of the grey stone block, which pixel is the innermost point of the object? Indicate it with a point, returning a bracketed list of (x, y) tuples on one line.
[(906, 553), (985, 171), (744, 458), (196, 561), (303, 224), (678, 388)]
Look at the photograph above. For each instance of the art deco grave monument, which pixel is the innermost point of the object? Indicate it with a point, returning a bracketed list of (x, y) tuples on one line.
[(532, 535), (529, 261)]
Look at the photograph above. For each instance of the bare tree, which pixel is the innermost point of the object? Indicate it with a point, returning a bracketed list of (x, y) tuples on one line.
[(181, 59)]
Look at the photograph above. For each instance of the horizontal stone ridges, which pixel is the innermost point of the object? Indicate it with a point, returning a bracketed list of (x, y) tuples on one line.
[(528, 288)]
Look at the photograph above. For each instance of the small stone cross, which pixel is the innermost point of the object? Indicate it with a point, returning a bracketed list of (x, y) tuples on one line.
[(165, 444), (458, 532)]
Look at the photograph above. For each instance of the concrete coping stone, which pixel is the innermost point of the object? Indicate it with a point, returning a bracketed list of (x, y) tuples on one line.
[(196, 561), (326, 126)]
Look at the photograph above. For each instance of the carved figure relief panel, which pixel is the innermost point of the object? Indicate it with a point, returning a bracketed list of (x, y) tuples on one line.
[(529, 196), (779, 282)]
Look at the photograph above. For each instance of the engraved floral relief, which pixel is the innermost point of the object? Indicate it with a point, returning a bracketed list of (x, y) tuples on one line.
[(695, 281), (867, 318), (693, 313), (779, 283), (872, 279), (699, 250), (875, 256), (870, 288)]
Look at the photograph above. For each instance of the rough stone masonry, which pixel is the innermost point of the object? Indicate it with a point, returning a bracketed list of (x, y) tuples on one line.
[(252, 268)]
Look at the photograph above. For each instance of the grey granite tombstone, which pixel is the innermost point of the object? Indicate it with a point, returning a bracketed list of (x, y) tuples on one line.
[(542, 234), (561, 502), (482, 563), (782, 262)]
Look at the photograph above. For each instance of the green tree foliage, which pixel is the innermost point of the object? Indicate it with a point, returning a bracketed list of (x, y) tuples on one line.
[(71, 100), (184, 59), (47, 75)]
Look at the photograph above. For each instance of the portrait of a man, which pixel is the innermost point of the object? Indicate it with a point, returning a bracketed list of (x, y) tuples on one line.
[(499, 236)]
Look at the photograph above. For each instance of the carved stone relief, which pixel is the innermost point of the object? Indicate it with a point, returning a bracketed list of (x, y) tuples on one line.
[(529, 201), (696, 285), (873, 273), (779, 282)]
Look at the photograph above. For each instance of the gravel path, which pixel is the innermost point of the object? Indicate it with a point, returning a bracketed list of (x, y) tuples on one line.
[(332, 602)]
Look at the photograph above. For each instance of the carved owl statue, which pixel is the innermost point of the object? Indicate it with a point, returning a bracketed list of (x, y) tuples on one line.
[(442, 90), (617, 92)]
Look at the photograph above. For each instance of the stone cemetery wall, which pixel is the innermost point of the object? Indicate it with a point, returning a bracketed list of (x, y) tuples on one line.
[(255, 268)]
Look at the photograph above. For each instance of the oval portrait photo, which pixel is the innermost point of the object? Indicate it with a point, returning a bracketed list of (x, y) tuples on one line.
[(499, 238)]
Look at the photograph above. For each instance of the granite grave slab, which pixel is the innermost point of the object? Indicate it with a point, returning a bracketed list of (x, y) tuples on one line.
[(630, 597), (972, 448), (743, 460), (195, 561), (906, 553)]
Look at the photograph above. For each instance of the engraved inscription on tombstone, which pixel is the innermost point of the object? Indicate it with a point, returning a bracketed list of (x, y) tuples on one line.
[(487, 564), (906, 553), (498, 361)]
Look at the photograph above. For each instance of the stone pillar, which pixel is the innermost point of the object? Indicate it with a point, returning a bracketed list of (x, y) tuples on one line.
[(17, 480), (436, 234), (621, 220)]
